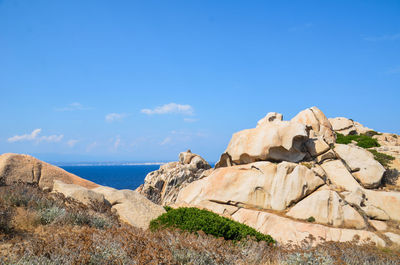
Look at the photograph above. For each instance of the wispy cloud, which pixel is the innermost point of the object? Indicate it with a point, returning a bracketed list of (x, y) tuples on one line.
[(91, 146), (386, 37), (111, 117), (117, 142), (34, 136), (72, 142), (166, 140), (73, 107), (170, 108), (301, 27)]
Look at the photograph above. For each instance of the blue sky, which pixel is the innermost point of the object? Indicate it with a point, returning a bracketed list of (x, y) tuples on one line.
[(144, 80)]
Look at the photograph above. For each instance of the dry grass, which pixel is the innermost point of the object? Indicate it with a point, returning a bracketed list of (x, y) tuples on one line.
[(68, 234)]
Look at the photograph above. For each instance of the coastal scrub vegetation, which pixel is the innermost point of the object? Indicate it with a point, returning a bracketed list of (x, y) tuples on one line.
[(366, 141), (40, 227), (194, 220), (363, 140)]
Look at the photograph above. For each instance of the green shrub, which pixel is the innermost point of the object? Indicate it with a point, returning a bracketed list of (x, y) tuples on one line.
[(362, 140), (167, 208), (193, 220), (311, 219), (384, 159), (49, 215)]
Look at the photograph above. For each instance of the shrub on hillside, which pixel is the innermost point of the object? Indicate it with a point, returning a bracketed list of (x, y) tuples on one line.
[(364, 141), (382, 158), (194, 220)]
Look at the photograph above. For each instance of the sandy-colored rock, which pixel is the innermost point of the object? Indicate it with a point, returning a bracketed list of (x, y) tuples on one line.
[(25, 168), (327, 207), (320, 125), (271, 117), (162, 186), (389, 202), (329, 155), (378, 225), (261, 184), (395, 238), (276, 140), (365, 168), (285, 230), (316, 146), (79, 193), (338, 174), (343, 125), (131, 207)]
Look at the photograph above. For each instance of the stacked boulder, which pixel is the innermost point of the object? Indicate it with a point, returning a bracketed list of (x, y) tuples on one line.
[(291, 180)]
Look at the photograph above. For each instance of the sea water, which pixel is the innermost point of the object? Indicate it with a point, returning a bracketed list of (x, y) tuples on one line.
[(115, 176)]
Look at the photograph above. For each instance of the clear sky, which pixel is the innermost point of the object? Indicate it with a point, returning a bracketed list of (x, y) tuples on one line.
[(144, 80)]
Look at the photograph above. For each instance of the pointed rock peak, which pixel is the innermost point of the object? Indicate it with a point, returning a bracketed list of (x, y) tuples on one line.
[(271, 117)]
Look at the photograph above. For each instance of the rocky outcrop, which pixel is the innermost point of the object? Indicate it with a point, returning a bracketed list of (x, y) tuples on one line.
[(327, 207), (319, 124), (27, 169), (347, 126), (264, 185), (272, 139), (130, 206), (362, 164), (337, 185), (162, 186)]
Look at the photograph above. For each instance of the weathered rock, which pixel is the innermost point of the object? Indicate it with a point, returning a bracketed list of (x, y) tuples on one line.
[(27, 169), (327, 207), (338, 174), (361, 162), (271, 117), (162, 186), (347, 126), (261, 184), (285, 230), (271, 140), (378, 225), (326, 156), (78, 193), (131, 207), (314, 118), (395, 238), (317, 146)]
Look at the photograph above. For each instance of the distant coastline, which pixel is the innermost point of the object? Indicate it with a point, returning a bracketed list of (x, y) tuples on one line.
[(83, 164)]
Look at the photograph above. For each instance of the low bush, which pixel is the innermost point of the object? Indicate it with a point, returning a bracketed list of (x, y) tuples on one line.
[(362, 140), (382, 158), (194, 220)]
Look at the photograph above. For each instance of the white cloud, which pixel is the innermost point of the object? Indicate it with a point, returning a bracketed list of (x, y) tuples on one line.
[(386, 37), (115, 117), (170, 108), (72, 142), (34, 136), (91, 146), (73, 106)]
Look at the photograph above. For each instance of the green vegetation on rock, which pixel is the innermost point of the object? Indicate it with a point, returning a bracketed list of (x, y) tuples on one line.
[(194, 220), (382, 158), (364, 141)]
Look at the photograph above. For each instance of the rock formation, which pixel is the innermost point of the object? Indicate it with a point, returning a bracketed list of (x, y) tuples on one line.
[(291, 180), (162, 186), (25, 168), (130, 206)]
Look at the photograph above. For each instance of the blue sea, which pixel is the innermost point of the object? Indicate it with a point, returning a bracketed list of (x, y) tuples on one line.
[(116, 176)]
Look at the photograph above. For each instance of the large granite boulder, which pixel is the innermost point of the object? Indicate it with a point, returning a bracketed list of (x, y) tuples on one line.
[(327, 207), (162, 186), (319, 123), (347, 126), (79, 193), (272, 139), (338, 174), (264, 185), (27, 169), (362, 164)]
